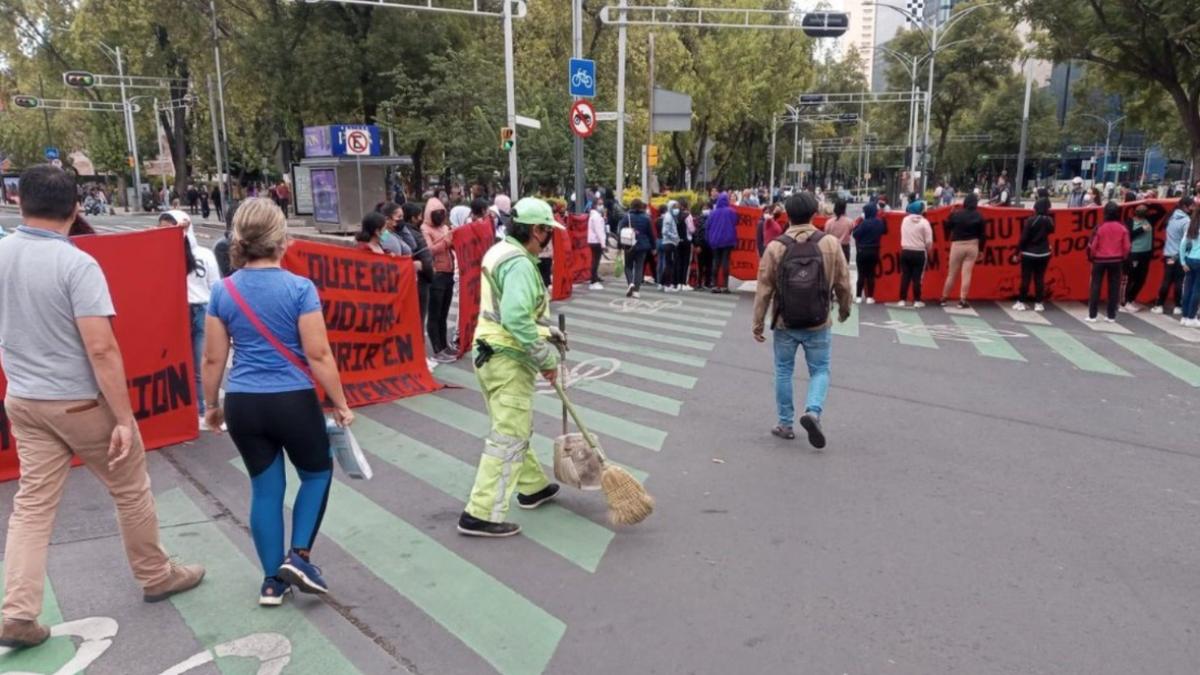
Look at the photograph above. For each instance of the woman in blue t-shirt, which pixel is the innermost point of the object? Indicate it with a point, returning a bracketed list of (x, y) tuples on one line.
[(280, 348)]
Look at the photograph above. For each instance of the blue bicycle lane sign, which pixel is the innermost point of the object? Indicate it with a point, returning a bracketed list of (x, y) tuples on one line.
[(581, 78)]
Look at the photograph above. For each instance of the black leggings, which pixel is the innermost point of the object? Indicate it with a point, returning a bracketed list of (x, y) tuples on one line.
[(667, 278), (721, 258), (1099, 270), (1033, 268), (635, 268), (1137, 268), (597, 253), (704, 262), (441, 293), (912, 267), (1172, 279), (683, 263), (868, 260)]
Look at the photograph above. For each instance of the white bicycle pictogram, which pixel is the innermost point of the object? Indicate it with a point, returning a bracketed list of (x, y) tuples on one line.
[(589, 369), (947, 331), (635, 306), (581, 78)]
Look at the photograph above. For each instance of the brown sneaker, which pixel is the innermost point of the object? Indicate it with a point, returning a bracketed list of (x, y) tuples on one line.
[(18, 633), (182, 578)]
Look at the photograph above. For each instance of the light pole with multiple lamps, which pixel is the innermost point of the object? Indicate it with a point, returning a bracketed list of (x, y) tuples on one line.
[(1109, 124)]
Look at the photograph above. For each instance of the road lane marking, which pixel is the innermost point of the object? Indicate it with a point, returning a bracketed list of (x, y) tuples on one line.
[(1168, 324), (850, 327), (909, 328), (1024, 317), (1079, 311), (624, 348), (626, 308), (631, 369), (989, 343), (665, 324), (1167, 361), (1071, 349), (629, 333), (50, 656), (559, 529)]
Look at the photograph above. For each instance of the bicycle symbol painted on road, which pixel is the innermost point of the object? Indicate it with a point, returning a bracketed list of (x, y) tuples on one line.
[(947, 331), (635, 306), (589, 369), (581, 78)]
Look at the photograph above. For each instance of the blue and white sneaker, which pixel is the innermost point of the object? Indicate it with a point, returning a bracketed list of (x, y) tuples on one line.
[(302, 574), (273, 591)]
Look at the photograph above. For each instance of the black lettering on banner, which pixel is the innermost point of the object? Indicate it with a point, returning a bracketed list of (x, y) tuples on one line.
[(161, 391), (5, 436), (353, 357), (385, 388), (359, 317), (352, 274), (1084, 220)]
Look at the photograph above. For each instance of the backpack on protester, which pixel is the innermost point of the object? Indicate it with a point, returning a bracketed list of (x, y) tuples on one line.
[(627, 234), (803, 298)]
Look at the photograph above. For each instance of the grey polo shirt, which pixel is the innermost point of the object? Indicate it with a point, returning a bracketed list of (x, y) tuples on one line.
[(46, 283)]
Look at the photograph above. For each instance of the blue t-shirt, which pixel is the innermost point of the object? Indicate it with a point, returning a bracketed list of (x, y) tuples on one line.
[(279, 298)]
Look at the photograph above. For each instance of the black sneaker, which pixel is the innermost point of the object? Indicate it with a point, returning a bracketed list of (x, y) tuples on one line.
[(538, 498), (812, 424), (474, 527)]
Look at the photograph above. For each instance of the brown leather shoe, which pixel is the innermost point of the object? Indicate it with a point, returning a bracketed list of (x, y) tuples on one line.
[(182, 578), (18, 633)]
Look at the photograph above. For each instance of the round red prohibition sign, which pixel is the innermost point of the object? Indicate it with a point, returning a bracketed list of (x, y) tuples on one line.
[(358, 142), (583, 119)]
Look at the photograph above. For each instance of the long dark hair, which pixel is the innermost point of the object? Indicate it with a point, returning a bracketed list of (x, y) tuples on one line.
[(839, 208), (372, 225), (411, 211), (1193, 230), (1112, 211), (388, 209), (189, 258)]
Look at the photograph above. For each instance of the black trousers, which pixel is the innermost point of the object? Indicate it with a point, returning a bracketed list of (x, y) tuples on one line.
[(704, 262), (683, 263), (721, 257), (868, 262), (441, 292), (597, 253), (423, 297), (635, 268), (1033, 269), (668, 265), (1113, 271), (912, 268), (1172, 279), (846, 252), (1137, 268), (546, 267)]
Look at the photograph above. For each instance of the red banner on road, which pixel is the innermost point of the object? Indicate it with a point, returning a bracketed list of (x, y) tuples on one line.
[(471, 242), (560, 270), (371, 313), (153, 330)]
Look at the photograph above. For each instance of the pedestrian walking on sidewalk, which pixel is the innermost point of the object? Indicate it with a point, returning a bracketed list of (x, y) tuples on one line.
[(868, 237), (274, 322), (1189, 259), (1172, 278), (798, 274), (635, 256), (67, 397), (1107, 250), (916, 243), (597, 240), (1034, 249), (967, 235)]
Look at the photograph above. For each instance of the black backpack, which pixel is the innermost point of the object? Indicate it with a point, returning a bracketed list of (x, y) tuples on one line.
[(802, 294)]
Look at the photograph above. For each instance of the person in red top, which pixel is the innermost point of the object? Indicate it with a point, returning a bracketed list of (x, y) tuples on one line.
[(283, 196), (1107, 250)]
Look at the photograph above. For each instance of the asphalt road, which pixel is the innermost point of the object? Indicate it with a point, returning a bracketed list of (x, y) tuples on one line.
[(998, 496)]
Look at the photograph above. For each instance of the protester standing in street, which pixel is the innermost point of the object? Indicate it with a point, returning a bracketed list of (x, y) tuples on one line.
[(635, 256), (1034, 249), (796, 279), (672, 222), (1189, 260), (513, 344), (1077, 197), (916, 243), (1172, 278), (370, 235), (597, 239), (722, 237), (683, 251), (441, 291), (704, 255), (67, 398), (274, 321), (965, 229), (1137, 267), (840, 226), (868, 237), (1107, 250)]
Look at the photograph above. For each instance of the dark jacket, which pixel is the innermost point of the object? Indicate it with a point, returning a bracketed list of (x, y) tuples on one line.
[(1035, 235), (221, 251), (411, 234), (640, 223), (965, 225), (722, 224), (869, 233)]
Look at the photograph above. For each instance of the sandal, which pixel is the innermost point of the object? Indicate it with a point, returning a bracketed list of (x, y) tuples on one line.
[(784, 432)]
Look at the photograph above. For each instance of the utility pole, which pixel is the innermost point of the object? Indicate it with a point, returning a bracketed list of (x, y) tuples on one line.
[(212, 115), (212, 5), (131, 130), (621, 40), (774, 128), (796, 156), (510, 98), (577, 50), (1019, 187), (45, 112), (649, 125)]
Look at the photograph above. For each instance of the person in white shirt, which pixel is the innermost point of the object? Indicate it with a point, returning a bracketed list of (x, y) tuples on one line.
[(202, 275), (597, 238)]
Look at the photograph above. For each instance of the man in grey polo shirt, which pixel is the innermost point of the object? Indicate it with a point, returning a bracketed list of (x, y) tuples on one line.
[(66, 398)]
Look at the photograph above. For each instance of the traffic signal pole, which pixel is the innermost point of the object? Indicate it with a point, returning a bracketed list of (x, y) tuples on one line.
[(130, 132), (577, 50), (510, 98)]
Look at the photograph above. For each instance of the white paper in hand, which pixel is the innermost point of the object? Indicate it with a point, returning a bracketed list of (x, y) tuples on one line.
[(349, 454)]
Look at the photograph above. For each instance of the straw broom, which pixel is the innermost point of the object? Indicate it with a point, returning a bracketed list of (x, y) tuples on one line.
[(628, 501)]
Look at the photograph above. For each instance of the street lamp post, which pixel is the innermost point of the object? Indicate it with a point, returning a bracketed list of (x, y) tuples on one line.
[(130, 128), (1109, 124)]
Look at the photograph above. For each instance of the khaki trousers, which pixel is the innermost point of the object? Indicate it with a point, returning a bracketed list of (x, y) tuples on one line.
[(962, 257), (49, 434)]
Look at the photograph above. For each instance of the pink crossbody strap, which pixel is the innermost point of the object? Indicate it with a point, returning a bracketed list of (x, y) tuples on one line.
[(266, 332)]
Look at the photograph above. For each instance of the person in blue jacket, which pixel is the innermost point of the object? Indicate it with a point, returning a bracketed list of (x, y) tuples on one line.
[(1172, 269), (868, 236), (635, 258)]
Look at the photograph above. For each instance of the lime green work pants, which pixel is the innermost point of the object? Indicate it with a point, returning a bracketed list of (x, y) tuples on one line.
[(507, 464)]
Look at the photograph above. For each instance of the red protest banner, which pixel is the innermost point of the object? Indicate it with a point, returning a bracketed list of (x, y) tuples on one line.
[(471, 242), (580, 265), (371, 313), (560, 271), (743, 263), (152, 328)]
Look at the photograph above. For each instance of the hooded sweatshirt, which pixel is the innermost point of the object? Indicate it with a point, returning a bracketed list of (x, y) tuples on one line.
[(670, 226), (869, 233), (722, 224), (207, 274), (1176, 226), (1110, 243), (1035, 236), (916, 234), (439, 239)]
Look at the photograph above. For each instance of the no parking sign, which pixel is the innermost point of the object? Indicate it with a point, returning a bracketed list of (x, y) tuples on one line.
[(358, 142)]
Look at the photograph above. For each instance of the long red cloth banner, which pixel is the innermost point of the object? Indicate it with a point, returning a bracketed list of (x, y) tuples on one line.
[(471, 242), (997, 275), (572, 257), (152, 328), (372, 317)]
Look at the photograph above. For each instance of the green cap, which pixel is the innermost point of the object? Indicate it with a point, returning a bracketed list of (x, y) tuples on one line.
[(533, 211)]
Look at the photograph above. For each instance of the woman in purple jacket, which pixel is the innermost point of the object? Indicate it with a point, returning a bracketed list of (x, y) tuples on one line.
[(722, 237)]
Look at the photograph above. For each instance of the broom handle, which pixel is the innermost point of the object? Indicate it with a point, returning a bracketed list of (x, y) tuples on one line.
[(562, 366), (587, 436)]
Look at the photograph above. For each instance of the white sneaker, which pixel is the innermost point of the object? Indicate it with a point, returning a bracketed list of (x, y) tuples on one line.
[(635, 295), (918, 304), (1178, 311), (1108, 320), (1019, 306), (203, 424), (431, 364), (1039, 307), (870, 301), (596, 286), (1134, 308), (1091, 319), (660, 288), (901, 304), (686, 289), (858, 300), (1157, 309)]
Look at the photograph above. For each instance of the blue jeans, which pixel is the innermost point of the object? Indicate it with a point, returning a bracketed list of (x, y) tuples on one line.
[(816, 344), (1191, 289), (197, 313)]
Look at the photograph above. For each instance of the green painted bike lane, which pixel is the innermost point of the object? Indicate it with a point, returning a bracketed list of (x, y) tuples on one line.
[(48, 657)]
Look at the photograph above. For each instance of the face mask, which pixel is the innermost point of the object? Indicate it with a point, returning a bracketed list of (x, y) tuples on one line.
[(438, 217)]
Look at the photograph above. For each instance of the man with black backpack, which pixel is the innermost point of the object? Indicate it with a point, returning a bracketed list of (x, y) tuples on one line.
[(799, 274)]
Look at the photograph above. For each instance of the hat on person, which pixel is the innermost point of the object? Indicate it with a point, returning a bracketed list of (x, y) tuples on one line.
[(916, 206), (1077, 180), (533, 211)]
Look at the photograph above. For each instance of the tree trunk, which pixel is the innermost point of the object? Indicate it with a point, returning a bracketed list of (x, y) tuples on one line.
[(1189, 112)]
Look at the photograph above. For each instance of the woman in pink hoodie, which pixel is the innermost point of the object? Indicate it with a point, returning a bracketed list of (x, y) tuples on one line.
[(441, 290), (916, 242), (1107, 250)]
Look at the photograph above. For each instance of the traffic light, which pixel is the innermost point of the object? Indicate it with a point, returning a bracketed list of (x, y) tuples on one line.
[(652, 155), (508, 138), (812, 99), (80, 79), (825, 24), (848, 117), (129, 160), (29, 102)]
